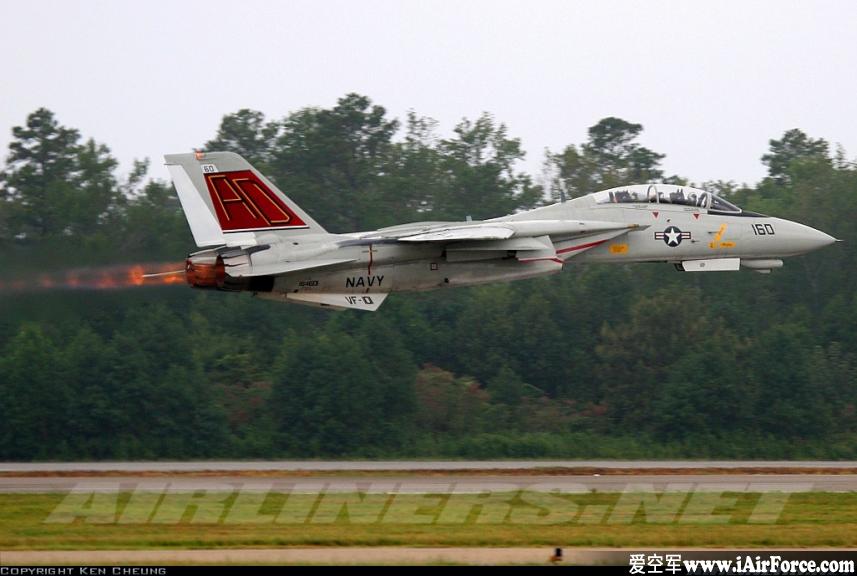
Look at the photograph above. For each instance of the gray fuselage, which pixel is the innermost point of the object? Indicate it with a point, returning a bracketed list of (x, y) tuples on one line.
[(665, 233)]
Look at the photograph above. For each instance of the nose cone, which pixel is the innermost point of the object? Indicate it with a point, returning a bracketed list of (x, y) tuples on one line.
[(823, 239), (798, 238)]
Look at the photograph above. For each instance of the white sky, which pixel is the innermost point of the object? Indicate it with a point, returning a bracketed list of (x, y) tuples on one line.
[(710, 81)]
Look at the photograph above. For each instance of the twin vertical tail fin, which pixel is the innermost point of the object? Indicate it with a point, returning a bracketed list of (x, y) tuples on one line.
[(226, 201)]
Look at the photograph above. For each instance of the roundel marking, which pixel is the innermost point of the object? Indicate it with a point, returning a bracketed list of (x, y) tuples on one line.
[(672, 236)]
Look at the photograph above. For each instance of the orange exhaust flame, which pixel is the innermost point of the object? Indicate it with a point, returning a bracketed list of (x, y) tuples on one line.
[(100, 278)]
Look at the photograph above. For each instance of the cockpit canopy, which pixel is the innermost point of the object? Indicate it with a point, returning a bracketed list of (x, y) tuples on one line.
[(664, 194)]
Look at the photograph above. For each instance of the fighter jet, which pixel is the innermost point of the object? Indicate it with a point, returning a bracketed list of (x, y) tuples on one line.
[(253, 238)]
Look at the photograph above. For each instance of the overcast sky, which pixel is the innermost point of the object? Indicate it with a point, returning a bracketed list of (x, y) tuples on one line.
[(711, 81)]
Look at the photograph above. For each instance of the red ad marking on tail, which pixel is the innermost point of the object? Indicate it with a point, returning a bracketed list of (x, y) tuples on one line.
[(243, 202)]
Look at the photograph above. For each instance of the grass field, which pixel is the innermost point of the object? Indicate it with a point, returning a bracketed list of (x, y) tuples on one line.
[(277, 520)]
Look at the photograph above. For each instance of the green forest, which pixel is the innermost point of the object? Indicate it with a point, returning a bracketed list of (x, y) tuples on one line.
[(600, 361)]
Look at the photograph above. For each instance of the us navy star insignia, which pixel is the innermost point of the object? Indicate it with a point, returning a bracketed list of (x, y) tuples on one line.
[(672, 236)]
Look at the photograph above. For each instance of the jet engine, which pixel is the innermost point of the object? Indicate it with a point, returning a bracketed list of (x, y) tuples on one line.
[(208, 270), (203, 270)]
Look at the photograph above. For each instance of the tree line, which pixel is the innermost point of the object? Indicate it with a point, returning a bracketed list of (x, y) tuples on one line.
[(599, 361)]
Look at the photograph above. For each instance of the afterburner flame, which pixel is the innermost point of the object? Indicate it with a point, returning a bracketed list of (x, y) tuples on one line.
[(99, 278)]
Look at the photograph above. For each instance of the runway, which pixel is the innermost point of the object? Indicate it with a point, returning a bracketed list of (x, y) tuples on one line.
[(406, 465), (438, 477), (316, 512), (434, 485)]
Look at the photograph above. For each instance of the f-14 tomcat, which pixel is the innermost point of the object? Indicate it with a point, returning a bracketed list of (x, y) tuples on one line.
[(255, 239)]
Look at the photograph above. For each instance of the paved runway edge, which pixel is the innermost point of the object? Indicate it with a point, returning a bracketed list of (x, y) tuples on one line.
[(410, 465), (440, 483)]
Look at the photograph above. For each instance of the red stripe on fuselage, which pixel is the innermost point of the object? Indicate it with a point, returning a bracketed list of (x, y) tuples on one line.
[(580, 247), (557, 260)]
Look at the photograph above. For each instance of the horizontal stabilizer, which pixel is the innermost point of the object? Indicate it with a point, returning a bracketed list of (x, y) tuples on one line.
[(370, 302)]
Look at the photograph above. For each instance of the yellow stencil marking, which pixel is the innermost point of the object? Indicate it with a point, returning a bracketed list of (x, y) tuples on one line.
[(716, 243), (618, 248), (717, 237)]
